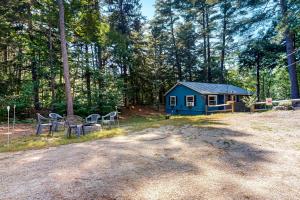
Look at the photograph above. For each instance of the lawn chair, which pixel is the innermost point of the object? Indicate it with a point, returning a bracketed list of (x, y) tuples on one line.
[(57, 120), (92, 119), (109, 119), (74, 122), (43, 122)]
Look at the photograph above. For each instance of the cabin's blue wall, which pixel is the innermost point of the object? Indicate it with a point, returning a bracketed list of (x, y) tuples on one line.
[(180, 92)]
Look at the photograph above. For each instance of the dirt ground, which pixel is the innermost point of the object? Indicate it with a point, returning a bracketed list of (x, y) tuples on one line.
[(21, 130), (240, 156)]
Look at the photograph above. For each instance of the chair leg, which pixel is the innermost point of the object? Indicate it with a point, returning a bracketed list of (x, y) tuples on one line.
[(55, 127), (38, 129), (50, 130), (69, 132), (83, 130)]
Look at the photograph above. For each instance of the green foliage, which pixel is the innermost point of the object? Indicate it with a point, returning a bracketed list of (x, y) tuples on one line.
[(111, 95), (23, 102), (287, 104), (249, 101), (281, 84), (118, 58)]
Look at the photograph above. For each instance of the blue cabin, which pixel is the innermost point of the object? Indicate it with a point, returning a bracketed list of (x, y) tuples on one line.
[(194, 98)]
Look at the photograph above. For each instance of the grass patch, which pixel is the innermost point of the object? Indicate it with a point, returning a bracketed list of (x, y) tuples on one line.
[(44, 140), (135, 123), (139, 123)]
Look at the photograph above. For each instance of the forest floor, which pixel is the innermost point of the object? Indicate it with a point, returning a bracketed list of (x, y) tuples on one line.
[(225, 156)]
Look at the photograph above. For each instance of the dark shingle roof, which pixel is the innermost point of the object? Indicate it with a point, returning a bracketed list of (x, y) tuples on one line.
[(210, 88)]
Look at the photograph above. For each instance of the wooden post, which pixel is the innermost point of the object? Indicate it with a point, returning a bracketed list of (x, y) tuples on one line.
[(206, 109), (232, 107), (252, 108)]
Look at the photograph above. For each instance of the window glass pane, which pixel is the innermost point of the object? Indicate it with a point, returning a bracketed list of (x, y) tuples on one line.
[(212, 100), (173, 101), (190, 99)]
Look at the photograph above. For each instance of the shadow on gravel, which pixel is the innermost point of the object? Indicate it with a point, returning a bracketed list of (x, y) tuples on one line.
[(114, 168)]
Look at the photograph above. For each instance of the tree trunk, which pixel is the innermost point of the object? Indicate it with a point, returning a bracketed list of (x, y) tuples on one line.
[(52, 70), (209, 78), (177, 62), (34, 69), (222, 59), (204, 44), (20, 67), (88, 77), (290, 51), (65, 58), (258, 77)]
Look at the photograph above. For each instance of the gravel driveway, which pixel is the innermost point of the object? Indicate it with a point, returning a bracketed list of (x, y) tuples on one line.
[(242, 156)]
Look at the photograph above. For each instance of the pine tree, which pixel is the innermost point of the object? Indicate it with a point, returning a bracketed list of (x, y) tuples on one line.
[(65, 58)]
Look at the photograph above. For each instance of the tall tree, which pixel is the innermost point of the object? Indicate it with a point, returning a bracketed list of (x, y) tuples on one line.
[(34, 63), (166, 14), (290, 49), (65, 57)]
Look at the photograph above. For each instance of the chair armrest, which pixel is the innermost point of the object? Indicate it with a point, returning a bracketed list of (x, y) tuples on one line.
[(106, 116)]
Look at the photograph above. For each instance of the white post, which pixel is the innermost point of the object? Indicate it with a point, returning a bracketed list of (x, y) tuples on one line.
[(8, 108)]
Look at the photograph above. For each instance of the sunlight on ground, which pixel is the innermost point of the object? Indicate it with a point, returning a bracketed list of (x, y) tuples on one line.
[(44, 140), (135, 123)]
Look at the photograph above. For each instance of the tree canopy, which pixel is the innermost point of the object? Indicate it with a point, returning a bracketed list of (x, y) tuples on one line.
[(116, 57)]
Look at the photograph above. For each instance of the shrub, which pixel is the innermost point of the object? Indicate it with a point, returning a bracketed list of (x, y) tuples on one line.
[(287, 104), (249, 101)]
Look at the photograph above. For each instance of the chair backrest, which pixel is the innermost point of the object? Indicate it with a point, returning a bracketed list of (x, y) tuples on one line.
[(55, 116), (113, 115), (73, 120), (93, 118), (40, 118)]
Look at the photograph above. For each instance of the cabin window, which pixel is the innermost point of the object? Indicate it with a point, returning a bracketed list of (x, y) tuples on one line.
[(230, 98), (172, 100), (190, 101), (212, 100), (233, 98)]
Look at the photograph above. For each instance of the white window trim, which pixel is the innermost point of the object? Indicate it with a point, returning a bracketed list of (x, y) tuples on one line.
[(171, 101), (186, 100), (216, 100)]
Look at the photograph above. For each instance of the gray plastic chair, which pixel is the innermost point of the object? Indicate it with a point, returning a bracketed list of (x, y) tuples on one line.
[(110, 119), (43, 122), (74, 122), (92, 119), (57, 120)]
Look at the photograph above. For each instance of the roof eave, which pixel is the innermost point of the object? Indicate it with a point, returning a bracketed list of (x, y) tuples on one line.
[(178, 83)]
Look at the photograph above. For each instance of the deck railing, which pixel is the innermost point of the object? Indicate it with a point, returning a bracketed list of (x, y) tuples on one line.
[(229, 104), (255, 109)]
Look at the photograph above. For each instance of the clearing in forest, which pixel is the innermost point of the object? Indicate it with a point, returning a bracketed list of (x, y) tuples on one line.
[(228, 156)]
